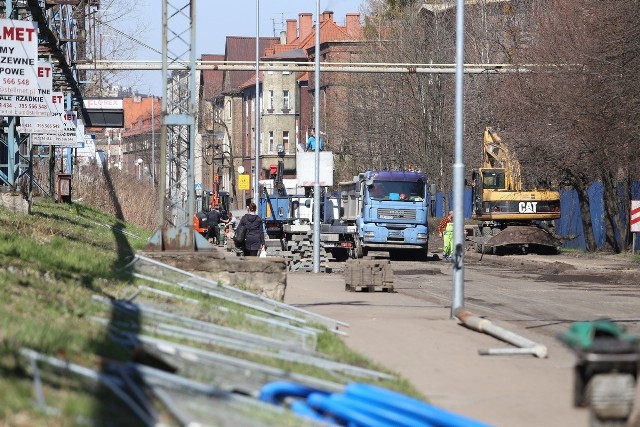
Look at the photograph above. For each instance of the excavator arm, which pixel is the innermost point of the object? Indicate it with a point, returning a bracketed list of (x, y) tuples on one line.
[(497, 155)]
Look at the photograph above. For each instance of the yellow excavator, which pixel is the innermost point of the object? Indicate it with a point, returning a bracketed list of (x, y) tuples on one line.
[(510, 219)]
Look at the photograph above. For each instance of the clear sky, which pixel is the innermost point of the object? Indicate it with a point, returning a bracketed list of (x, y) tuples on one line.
[(217, 19)]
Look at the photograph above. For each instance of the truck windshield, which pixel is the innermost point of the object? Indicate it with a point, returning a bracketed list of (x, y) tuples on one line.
[(402, 191)]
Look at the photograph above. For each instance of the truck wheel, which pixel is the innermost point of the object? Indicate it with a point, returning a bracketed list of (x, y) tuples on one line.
[(423, 254), (340, 254), (357, 249)]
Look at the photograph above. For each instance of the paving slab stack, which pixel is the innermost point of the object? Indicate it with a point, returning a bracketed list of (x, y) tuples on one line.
[(299, 253), (368, 275)]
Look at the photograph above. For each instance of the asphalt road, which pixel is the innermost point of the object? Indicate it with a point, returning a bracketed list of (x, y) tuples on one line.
[(545, 293), (536, 297)]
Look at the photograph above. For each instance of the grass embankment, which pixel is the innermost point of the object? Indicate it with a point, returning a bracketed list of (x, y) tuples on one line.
[(52, 263)]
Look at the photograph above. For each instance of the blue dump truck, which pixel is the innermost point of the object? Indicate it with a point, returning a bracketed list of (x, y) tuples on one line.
[(389, 209)]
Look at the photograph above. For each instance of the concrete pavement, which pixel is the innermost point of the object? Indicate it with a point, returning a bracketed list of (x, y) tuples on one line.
[(440, 357)]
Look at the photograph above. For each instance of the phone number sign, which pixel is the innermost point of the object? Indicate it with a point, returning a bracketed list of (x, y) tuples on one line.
[(38, 105), (18, 57), (58, 121)]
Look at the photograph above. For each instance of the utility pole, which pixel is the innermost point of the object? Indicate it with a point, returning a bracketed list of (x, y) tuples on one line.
[(316, 187), (256, 177), (176, 192), (458, 169), (153, 142)]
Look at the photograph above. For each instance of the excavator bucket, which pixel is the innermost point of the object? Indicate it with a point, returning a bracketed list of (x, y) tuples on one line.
[(523, 238)]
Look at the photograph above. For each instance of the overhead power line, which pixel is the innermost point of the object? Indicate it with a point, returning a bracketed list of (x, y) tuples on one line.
[(127, 36)]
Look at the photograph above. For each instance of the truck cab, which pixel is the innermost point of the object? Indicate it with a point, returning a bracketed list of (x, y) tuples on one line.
[(392, 211)]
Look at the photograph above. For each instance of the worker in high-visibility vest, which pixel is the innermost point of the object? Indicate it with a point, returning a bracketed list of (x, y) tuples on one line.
[(447, 247)]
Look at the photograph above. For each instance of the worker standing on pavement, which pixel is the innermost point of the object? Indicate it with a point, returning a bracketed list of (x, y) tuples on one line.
[(447, 246), (445, 230), (213, 219)]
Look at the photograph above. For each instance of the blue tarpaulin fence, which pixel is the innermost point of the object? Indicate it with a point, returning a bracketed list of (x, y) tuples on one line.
[(570, 223)]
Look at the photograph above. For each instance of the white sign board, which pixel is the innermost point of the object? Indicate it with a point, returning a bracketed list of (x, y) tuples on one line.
[(306, 168), (103, 104), (18, 57), (89, 149), (80, 132), (66, 140), (59, 129), (31, 105), (635, 216), (60, 121)]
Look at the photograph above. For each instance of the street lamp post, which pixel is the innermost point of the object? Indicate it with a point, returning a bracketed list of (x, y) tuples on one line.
[(153, 141), (316, 187), (139, 168), (256, 177), (458, 169)]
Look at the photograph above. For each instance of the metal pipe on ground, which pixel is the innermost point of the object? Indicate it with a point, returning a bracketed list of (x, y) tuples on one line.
[(483, 325), (506, 351)]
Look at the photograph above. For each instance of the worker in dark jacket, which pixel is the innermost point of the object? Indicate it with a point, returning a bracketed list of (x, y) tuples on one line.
[(213, 219), (254, 238)]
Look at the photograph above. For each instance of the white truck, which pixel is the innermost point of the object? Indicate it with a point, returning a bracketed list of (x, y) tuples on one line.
[(289, 218)]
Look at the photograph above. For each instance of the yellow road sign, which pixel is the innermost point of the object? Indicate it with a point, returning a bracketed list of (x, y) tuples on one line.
[(243, 181)]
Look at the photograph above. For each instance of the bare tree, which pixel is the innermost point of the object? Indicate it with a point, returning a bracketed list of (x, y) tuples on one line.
[(571, 118), (114, 32), (580, 103), (404, 120)]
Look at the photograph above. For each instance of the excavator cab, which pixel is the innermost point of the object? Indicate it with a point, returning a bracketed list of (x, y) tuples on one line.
[(493, 179), (200, 217), (207, 201)]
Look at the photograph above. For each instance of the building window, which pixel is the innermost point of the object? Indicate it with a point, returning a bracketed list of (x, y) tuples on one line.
[(285, 100), (270, 141), (285, 141), (271, 100)]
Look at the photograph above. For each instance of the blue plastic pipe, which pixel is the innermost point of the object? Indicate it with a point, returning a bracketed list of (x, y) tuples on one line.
[(409, 406), (276, 391), (345, 414)]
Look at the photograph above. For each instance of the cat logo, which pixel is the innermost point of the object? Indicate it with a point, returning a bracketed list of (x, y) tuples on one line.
[(527, 207)]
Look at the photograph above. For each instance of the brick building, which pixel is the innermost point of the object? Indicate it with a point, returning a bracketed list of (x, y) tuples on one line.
[(226, 106)]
